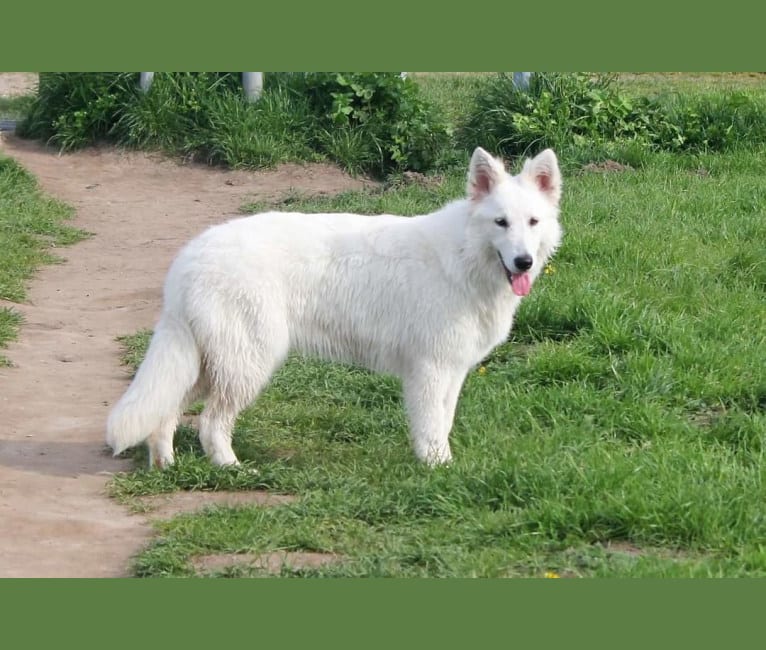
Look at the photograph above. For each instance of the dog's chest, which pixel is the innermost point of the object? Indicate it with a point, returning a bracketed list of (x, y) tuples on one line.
[(491, 326)]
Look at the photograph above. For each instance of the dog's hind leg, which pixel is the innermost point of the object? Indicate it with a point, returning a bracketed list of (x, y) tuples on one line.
[(160, 442), (237, 376), (216, 424)]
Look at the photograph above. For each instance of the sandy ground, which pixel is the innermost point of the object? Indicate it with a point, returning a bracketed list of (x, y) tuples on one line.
[(55, 517), (13, 84)]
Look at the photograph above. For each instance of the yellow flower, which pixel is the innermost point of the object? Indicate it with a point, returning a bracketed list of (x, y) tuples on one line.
[(549, 269), (551, 574), (482, 370)]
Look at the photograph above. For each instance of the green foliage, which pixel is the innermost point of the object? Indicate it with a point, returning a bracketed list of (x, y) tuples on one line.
[(583, 115), (379, 123), (558, 109), (15, 107), (74, 109), (377, 120), (368, 122), (712, 122)]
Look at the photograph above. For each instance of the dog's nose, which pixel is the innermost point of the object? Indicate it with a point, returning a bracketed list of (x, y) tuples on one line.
[(523, 262)]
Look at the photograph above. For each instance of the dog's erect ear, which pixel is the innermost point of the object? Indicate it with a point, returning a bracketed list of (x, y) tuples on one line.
[(484, 173), (543, 171)]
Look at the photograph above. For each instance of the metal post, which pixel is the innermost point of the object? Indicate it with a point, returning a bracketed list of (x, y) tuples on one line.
[(521, 80), (146, 81), (252, 83)]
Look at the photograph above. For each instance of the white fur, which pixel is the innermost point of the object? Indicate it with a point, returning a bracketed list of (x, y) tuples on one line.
[(425, 298)]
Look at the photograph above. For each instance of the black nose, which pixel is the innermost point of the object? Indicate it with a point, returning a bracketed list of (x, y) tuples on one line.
[(523, 262)]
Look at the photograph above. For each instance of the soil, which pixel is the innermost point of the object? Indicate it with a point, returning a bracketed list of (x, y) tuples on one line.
[(268, 563), (57, 520), (607, 166)]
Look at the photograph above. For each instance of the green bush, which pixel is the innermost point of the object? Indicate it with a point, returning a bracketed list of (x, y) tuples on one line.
[(557, 110), (379, 116), (205, 116), (75, 109), (367, 122), (716, 122), (590, 116)]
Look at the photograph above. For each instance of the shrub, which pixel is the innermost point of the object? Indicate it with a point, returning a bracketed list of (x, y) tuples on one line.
[(205, 116), (557, 110), (715, 122), (367, 122), (74, 109), (588, 115), (377, 120)]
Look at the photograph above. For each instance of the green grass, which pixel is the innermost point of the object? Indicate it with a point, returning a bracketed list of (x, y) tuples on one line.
[(15, 108), (452, 91), (372, 123), (649, 83), (620, 431), (378, 124), (32, 225)]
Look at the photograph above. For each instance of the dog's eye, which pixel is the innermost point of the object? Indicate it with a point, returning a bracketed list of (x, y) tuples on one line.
[(501, 222), (534, 221)]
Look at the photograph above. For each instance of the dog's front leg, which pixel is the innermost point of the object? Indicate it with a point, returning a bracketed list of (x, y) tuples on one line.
[(430, 396)]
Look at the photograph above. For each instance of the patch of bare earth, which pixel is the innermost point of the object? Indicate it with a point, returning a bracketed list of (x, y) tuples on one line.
[(165, 506), (268, 563), (14, 84), (57, 520), (607, 166)]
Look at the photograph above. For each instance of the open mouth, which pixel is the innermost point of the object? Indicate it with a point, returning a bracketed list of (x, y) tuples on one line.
[(520, 282)]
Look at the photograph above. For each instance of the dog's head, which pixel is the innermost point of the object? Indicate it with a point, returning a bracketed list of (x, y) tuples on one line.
[(516, 217)]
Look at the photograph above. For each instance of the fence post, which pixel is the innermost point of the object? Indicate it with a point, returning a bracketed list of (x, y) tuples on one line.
[(145, 82), (521, 80), (252, 83)]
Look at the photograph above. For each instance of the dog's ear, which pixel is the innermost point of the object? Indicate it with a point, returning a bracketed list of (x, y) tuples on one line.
[(484, 173), (543, 171)]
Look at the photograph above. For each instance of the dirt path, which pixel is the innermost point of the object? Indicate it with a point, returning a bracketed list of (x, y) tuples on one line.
[(55, 519)]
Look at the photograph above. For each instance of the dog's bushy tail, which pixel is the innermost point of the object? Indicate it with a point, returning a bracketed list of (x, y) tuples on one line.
[(160, 388)]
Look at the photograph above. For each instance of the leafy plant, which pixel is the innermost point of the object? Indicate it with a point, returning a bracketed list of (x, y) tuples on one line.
[(557, 110), (389, 122), (74, 109), (367, 122), (586, 114)]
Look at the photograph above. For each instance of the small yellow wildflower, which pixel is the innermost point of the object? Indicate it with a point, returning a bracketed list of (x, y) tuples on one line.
[(549, 269), (551, 574), (482, 370)]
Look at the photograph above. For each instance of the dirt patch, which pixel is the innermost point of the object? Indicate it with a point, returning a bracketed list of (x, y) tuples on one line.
[(165, 506), (607, 166), (623, 548), (270, 563), (54, 402), (416, 178), (14, 84)]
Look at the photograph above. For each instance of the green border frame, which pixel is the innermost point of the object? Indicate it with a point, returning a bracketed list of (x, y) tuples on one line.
[(381, 613), (394, 36), (598, 36)]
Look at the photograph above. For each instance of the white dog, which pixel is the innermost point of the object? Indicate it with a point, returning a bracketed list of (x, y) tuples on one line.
[(425, 298)]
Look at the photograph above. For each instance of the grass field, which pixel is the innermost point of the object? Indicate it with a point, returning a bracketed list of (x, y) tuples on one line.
[(618, 433)]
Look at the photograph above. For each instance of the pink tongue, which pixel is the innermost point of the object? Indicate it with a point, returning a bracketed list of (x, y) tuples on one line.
[(520, 284)]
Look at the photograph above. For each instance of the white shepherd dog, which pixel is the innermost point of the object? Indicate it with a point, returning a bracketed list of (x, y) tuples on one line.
[(424, 298)]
